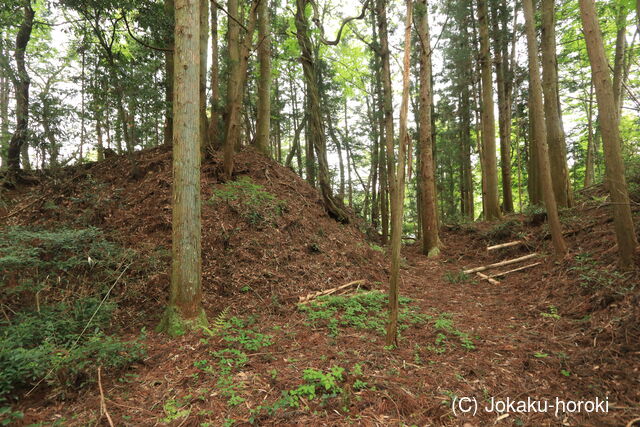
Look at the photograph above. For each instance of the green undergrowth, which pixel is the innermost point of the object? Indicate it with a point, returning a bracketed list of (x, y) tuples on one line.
[(364, 310), (241, 339), (316, 384), (593, 275), (448, 336), (36, 260), (54, 329), (48, 345), (251, 201)]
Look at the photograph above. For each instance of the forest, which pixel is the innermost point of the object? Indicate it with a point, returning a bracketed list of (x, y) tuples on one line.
[(313, 212)]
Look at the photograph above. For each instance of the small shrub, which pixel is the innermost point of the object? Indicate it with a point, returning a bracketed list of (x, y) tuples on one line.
[(257, 206), (35, 343), (363, 310)]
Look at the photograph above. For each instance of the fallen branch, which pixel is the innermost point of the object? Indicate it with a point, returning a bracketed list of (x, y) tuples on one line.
[(309, 297), (103, 404), (504, 273), (487, 278), (504, 245), (500, 264)]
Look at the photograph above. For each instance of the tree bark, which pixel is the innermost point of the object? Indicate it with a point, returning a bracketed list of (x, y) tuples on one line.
[(316, 128), (212, 130), (555, 132), (168, 67), (184, 310), (236, 90), (428, 211), (504, 103), (589, 172), (396, 173), (541, 130), (618, 62), (614, 167), (204, 50), (21, 82), (4, 119), (489, 163), (264, 82)]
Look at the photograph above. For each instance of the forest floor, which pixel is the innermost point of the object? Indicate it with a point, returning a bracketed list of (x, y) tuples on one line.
[(566, 329)]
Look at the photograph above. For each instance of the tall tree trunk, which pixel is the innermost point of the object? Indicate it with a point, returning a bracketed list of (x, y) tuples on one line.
[(316, 128), (428, 208), (4, 119), (541, 130), (264, 82), (555, 132), (619, 58), (100, 144), (589, 172), (184, 310), (500, 41), (204, 50), (212, 130), (168, 67), (489, 163), (396, 173), (21, 84), (236, 90), (616, 183)]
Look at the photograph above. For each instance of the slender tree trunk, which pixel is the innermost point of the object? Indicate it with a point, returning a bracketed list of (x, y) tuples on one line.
[(21, 84), (316, 134), (168, 67), (489, 163), (4, 119), (616, 183), (541, 130), (619, 58), (428, 208), (555, 132), (396, 172), (100, 145), (204, 50), (264, 82), (212, 129), (184, 310), (504, 106), (237, 89), (589, 174)]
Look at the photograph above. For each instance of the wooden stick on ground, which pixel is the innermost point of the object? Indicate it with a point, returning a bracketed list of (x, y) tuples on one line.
[(524, 267), (504, 245), (501, 263), (309, 297), (487, 278), (103, 404)]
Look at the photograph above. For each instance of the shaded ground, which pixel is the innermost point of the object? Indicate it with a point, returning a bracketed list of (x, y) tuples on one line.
[(568, 329)]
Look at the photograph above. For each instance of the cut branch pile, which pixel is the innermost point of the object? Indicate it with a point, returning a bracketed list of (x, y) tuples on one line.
[(491, 278), (312, 296)]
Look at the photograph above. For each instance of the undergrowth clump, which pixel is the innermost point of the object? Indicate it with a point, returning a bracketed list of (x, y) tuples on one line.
[(240, 338), (53, 282), (503, 230), (363, 310), (252, 202), (36, 260), (594, 276), (48, 344), (445, 331)]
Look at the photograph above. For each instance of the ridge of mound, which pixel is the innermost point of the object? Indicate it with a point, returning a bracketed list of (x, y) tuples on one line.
[(266, 237)]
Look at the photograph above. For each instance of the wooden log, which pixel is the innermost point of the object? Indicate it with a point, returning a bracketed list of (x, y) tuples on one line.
[(505, 245), (487, 278), (501, 263), (524, 267), (309, 297)]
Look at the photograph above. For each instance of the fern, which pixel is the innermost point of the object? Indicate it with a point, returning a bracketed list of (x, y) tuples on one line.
[(219, 324)]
